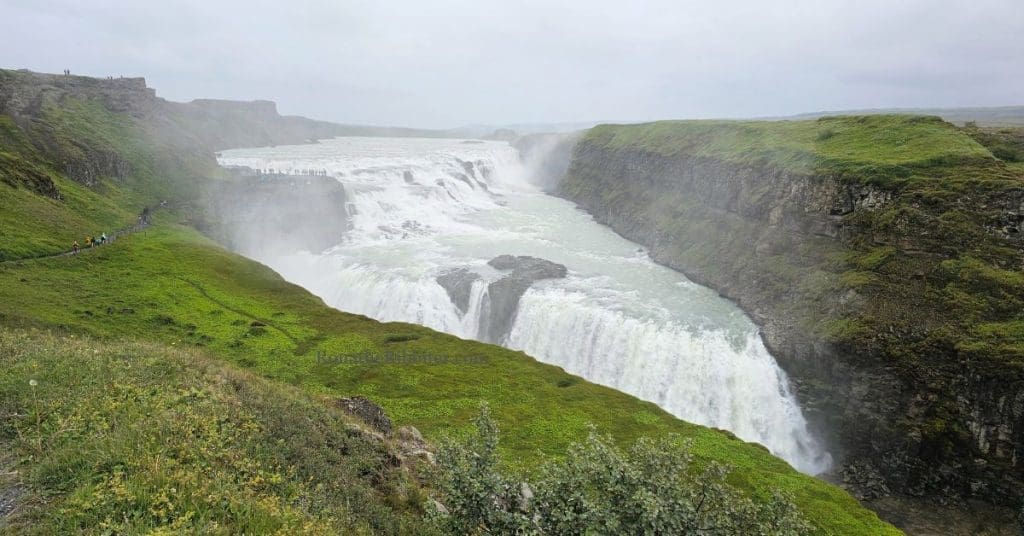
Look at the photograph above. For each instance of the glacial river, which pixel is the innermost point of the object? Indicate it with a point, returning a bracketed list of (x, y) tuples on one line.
[(421, 207)]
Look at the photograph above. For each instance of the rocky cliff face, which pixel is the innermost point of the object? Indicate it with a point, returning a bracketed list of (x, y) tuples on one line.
[(547, 155), (861, 291), (25, 98), (261, 215), (216, 124), (24, 94), (51, 109)]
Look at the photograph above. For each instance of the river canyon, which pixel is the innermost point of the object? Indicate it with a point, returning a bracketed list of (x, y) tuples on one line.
[(457, 236)]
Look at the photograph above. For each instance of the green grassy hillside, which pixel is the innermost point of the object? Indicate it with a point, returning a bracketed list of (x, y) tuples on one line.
[(136, 437), (882, 148), (157, 305), (45, 209), (169, 284), (991, 116)]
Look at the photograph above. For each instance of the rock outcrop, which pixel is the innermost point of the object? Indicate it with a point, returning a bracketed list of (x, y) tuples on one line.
[(459, 285), (502, 300), (369, 412), (405, 446), (25, 94), (503, 294)]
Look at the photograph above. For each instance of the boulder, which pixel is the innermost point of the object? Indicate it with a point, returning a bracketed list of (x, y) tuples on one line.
[(369, 412), (412, 445), (524, 266)]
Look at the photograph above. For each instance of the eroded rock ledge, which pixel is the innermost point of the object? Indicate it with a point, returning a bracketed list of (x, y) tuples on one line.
[(502, 301)]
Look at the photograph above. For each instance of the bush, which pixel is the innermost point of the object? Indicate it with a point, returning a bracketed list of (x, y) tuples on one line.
[(653, 488)]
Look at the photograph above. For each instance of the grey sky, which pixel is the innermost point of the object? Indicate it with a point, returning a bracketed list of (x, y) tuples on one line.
[(445, 63)]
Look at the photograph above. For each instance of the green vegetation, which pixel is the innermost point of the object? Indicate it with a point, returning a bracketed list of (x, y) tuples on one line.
[(988, 116), (135, 437), (1006, 143), (598, 489), (116, 169), (873, 148), (173, 286), (103, 438), (36, 225)]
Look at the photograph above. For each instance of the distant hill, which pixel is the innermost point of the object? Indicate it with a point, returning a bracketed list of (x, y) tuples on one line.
[(996, 116), (213, 123)]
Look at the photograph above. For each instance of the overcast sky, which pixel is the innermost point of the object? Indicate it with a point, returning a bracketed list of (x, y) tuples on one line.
[(445, 63)]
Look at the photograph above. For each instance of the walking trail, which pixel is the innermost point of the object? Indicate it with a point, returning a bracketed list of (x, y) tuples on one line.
[(141, 225)]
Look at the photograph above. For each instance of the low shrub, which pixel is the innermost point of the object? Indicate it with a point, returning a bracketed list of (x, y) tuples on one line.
[(653, 488)]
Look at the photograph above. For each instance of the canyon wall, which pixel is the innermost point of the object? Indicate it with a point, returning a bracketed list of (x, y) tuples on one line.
[(262, 215), (889, 291), (52, 108)]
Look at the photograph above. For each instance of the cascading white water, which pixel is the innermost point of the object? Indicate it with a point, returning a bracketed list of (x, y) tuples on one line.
[(420, 207)]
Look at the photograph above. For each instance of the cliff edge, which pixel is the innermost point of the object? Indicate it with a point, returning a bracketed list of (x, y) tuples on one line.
[(882, 257)]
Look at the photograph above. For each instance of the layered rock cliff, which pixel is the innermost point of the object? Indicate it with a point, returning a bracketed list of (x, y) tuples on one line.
[(52, 110), (187, 132), (262, 215), (882, 258)]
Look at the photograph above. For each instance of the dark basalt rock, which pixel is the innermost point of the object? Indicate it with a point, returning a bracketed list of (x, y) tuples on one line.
[(458, 283), (529, 267), (504, 293), (369, 412), (499, 310)]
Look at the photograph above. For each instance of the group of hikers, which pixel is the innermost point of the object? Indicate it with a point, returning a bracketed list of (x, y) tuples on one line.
[(93, 241), (90, 242)]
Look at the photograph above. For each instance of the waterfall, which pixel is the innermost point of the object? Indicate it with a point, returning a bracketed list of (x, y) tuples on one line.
[(420, 208), (698, 375)]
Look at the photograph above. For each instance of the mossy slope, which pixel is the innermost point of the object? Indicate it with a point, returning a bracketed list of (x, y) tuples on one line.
[(133, 437), (169, 284)]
